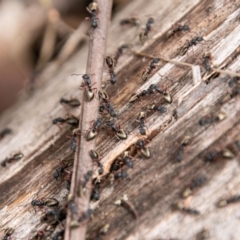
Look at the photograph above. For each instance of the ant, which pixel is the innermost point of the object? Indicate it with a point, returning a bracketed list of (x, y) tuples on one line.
[(143, 93), (102, 231), (7, 233), (233, 81), (58, 235), (71, 120), (152, 66), (95, 157), (198, 182), (5, 132), (160, 109), (92, 9), (122, 174), (53, 216), (87, 177), (180, 207), (49, 202), (142, 127), (120, 52), (144, 150), (89, 94), (103, 95), (224, 202), (110, 108), (93, 132), (64, 164), (128, 161), (85, 216), (58, 120), (95, 192), (73, 139), (132, 21), (15, 157), (179, 28), (183, 144), (213, 155), (143, 35), (208, 120), (121, 134), (203, 234), (111, 64), (191, 43), (207, 58), (235, 92), (71, 102)]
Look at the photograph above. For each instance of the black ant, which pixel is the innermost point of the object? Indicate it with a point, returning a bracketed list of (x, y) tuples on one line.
[(207, 58), (5, 132), (89, 94), (111, 64), (233, 81), (224, 202), (179, 28), (110, 108), (191, 43), (132, 21), (53, 216), (152, 66), (95, 157), (121, 134), (49, 202), (180, 207), (128, 161), (120, 52), (144, 150), (235, 91), (143, 35), (203, 234), (73, 139), (58, 235), (102, 231), (71, 120), (95, 192), (121, 174), (180, 151), (58, 120), (198, 182), (85, 216), (142, 126), (208, 120), (87, 177), (154, 107), (92, 9), (93, 132), (7, 233), (64, 165), (213, 155), (71, 102), (15, 157)]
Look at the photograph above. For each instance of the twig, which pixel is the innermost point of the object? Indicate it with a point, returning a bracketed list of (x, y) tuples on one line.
[(83, 162), (183, 63)]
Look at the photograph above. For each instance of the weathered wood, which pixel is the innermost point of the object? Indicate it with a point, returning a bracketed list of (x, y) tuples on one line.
[(155, 183)]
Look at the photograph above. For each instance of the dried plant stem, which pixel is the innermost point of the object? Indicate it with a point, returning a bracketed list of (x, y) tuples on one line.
[(83, 162), (230, 73)]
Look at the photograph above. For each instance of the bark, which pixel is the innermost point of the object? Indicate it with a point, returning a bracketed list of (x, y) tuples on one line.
[(155, 183)]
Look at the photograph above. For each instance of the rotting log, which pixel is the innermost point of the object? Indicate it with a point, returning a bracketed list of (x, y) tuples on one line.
[(155, 183)]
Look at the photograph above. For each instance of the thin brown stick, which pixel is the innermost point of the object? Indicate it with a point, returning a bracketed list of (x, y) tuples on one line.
[(83, 162), (230, 73)]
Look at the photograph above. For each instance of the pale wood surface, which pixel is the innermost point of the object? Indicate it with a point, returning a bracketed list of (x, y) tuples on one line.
[(155, 183)]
